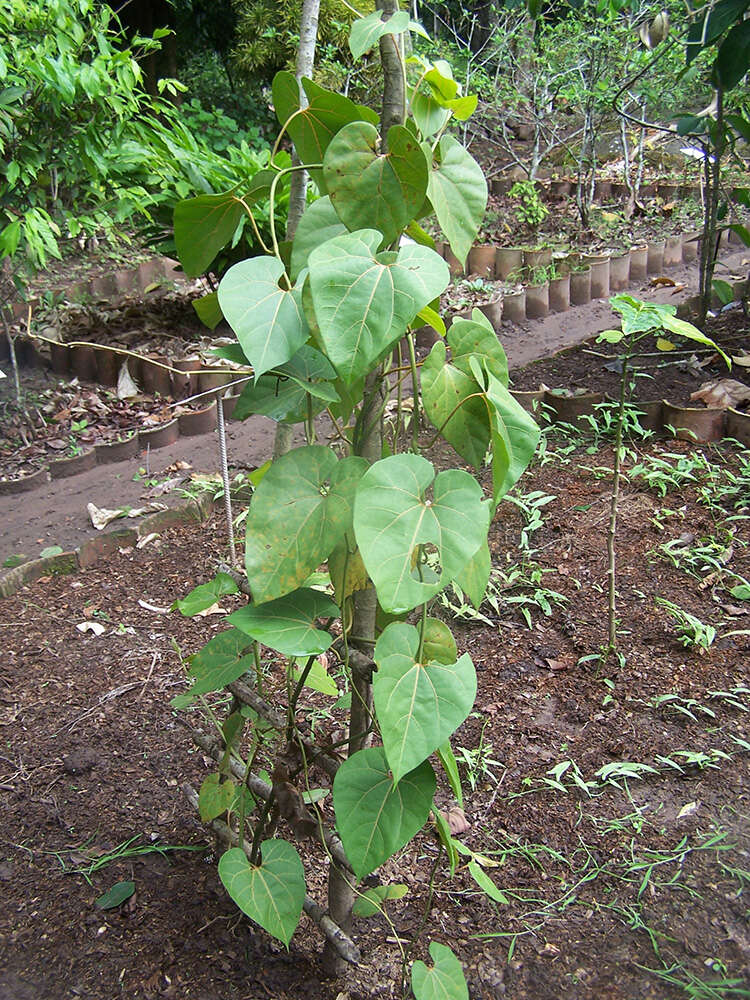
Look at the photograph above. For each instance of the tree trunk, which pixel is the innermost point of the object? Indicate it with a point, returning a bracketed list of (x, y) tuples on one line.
[(710, 240), (308, 33), (340, 892)]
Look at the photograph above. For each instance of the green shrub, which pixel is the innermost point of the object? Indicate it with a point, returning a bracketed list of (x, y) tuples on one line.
[(531, 212)]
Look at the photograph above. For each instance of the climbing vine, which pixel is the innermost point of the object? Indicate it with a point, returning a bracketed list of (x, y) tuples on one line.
[(348, 544)]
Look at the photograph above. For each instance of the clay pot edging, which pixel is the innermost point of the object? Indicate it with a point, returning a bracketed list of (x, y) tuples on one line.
[(160, 436), (693, 424), (568, 409), (619, 271), (537, 258), (690, 246), (508, 260), (24, 484), (107, 367), (599, 265), (580, 287), (195, 422), (493, 310), (514, 306), (116, 451), (559, 293), (638, 263), (673, 251), (531, 400), (62, 468), (738, 426), (655, 257), (185, 377), (59, 355), (83, 363), (481, 260), (154, 378), (651, 414), (537, 301)]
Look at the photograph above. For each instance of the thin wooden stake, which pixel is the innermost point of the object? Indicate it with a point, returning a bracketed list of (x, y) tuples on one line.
[(225, 477)]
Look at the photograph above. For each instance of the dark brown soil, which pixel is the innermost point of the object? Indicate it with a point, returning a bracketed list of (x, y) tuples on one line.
[(645, 874), (671, 375), (612, 223)]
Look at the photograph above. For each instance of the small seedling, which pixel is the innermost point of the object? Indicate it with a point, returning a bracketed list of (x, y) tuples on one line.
[(692, 633)]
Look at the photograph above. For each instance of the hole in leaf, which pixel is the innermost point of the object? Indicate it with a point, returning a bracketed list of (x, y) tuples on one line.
[(426, 565)]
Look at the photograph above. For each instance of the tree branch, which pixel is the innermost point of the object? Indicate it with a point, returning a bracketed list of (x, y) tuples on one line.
[(340, 942)]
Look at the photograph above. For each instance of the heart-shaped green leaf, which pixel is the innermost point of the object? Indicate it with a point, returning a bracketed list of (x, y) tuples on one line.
[(444, 981), (370, 902), (517, 431), (221, 661), (300, 511), (313, 127), (393, 516), (419, 705), (283, 393), (455, 405), (458, 193), (271, 894), (374, 817), (364, 301), (208, 310), (373, 191), (476, 336), (473, 409), (206, 595), (428, 114), (319, 223), (202, 227), (215, 797), (317, 679), (366, 31), (288, 623), (439, 78), (438, 645), (475, 576), (268, 320)]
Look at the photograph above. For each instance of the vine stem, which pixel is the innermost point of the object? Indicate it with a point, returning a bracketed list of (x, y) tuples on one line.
[(611, 556), (423, 920), (272, 204), (414, 394)]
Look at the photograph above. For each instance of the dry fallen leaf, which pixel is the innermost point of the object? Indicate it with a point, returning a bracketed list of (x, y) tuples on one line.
[(96, 627), (146, 540), (153, 607), (215, 609), (662, 281), (102, 516), (456, 820), (722, 393)]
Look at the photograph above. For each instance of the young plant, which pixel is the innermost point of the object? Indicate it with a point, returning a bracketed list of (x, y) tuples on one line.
[(691, 631), (318, 324), (530, 211), (639, 320)]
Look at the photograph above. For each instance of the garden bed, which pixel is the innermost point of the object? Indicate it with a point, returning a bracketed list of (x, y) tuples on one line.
[(593, 368), (69, 426), (626, 890)]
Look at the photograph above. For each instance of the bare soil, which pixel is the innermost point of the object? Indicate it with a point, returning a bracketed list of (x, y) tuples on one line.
[(641, 874), (672, 375)]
